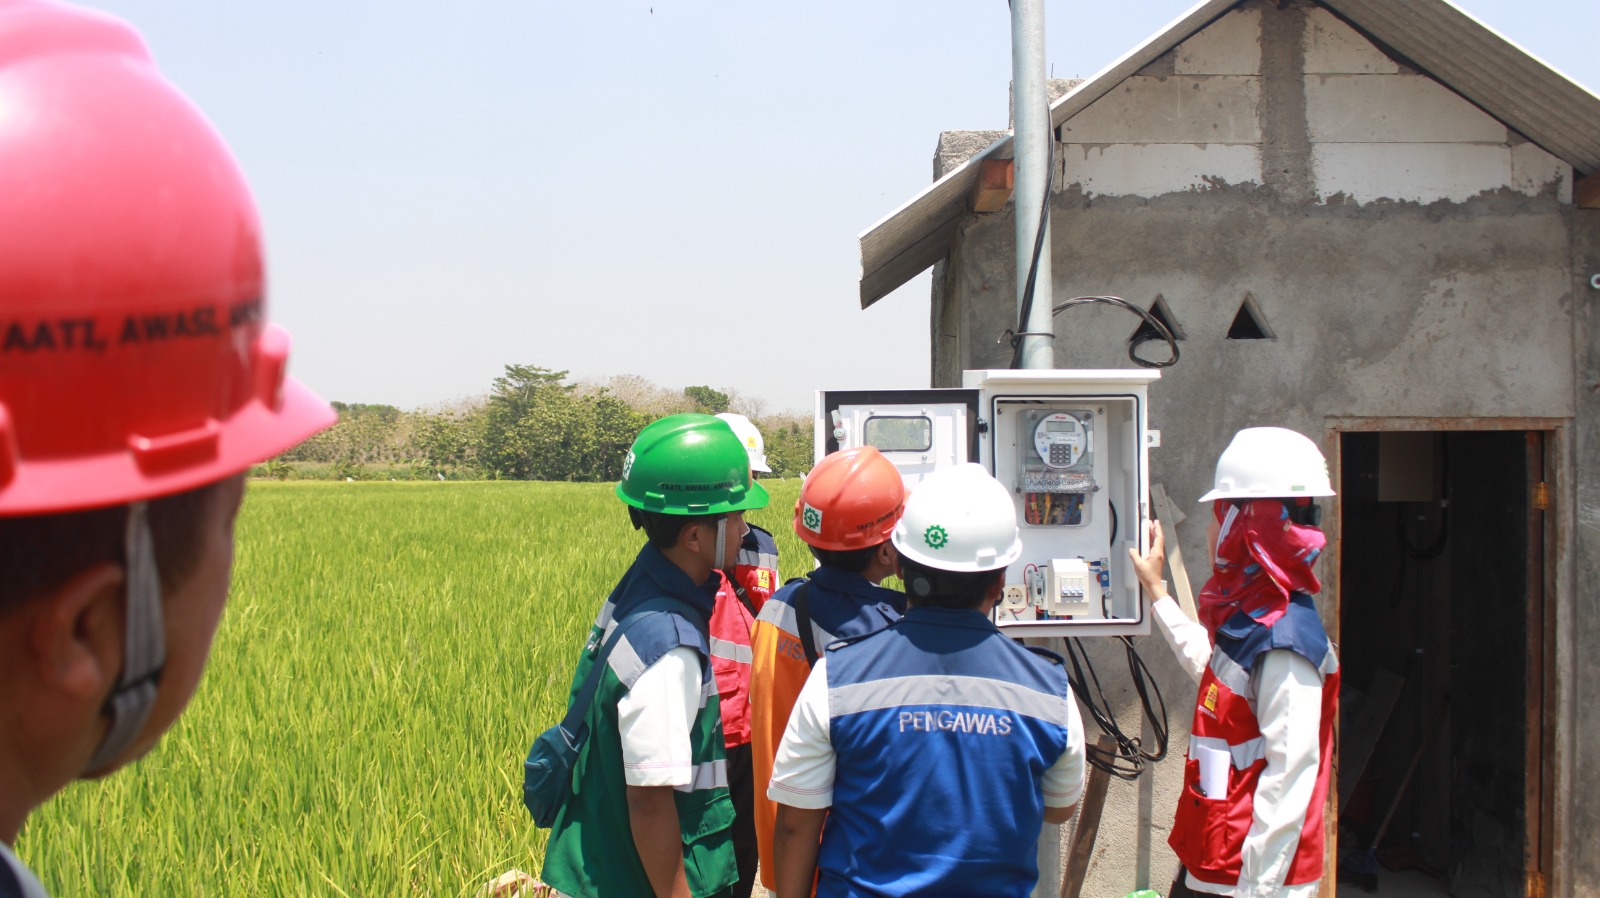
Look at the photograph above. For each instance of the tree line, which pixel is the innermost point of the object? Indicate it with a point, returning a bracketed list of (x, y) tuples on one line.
[(533, 424)]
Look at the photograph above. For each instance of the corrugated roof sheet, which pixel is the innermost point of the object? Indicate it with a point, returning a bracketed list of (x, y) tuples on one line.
[(1459, 51)]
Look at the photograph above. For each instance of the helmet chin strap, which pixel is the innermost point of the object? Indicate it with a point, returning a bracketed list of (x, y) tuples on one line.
[(144, 643), (722, 542)]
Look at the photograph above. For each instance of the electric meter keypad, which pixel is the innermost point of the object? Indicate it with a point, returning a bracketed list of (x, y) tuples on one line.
[(1060, 440)]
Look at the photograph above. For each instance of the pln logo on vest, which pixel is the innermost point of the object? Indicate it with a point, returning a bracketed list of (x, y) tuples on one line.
[(1209, 704)]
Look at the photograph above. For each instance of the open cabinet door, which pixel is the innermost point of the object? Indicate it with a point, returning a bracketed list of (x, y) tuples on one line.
[(919, 430)]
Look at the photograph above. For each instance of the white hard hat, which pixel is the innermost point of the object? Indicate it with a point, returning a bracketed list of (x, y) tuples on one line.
[(1270, 463), (751, 438), (959, 519)]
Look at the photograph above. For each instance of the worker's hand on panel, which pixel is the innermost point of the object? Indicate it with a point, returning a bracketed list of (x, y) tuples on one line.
[(1148, 567)]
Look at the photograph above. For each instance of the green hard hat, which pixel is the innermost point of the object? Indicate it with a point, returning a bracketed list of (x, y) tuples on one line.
[(689, 464)]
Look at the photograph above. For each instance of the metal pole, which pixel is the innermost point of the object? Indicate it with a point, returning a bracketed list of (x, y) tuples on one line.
[(1030, 114), (1030, 117)]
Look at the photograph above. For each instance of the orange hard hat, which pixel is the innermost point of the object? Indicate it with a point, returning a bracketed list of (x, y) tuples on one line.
[(850, 500), (135, 356)]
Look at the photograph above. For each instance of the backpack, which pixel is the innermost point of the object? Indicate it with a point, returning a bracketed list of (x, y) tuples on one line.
[(547, 773)]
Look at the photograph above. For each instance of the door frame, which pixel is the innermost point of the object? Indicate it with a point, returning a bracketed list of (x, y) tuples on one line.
[(1547, 654)]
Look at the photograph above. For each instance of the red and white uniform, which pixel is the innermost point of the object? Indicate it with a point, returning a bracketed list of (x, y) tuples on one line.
[(1268, 697), (730, 625)]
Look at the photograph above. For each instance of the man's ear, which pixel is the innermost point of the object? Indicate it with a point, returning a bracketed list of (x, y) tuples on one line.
[(889, 557), (75, 634), (690, 536), (997, 586)]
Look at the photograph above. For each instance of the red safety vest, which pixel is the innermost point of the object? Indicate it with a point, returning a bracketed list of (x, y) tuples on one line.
[(731, 621), (1208, 834)]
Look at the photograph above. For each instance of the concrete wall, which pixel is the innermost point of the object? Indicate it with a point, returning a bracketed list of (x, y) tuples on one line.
[(1411, 255), (1578, 812)]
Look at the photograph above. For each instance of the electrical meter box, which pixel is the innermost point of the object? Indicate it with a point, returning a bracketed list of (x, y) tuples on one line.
[(1072, 448)]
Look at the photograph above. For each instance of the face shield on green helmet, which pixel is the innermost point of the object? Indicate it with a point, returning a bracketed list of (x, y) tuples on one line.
[(689, 465)]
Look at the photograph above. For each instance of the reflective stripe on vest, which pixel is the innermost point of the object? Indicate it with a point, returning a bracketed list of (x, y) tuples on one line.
[(937, 692), (731, 651), (1209, 833), (711, 775)]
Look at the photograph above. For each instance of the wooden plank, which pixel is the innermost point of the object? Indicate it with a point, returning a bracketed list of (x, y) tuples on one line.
[(996, 179), (1586, 192), (1538, 800), (1347, 424), (1169, 518), (1094, 802), (1360, 737)]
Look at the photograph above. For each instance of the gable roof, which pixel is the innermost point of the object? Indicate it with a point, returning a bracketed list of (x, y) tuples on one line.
[(1443, 41)]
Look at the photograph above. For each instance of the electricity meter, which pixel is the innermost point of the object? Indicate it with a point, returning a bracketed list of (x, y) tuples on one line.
[(1071, 449), (1060, 440), (1056, 468)]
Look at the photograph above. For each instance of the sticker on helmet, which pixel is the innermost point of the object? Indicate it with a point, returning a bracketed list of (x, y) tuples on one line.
[(627, 464), (935, 536), (812, 518)]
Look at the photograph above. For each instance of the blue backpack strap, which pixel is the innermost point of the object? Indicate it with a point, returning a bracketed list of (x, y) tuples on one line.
[(579, 708), (843, 641), (800, 601), (1052, 657)]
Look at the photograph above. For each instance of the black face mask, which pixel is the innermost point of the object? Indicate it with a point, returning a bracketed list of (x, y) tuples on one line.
[(1309, 514)]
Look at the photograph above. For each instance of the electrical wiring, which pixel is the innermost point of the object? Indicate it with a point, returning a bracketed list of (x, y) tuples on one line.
[(1026, 309), (1130, 758), (1160, 327)]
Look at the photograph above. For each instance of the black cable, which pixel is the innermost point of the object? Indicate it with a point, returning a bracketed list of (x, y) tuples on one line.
[(1114, 523), (1039, 247), (1161, 329), (1440, 541), (1397, 591), (1129, 758)]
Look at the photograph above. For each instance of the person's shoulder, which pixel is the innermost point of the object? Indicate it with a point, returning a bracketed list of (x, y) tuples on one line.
[(653, 632), (1044, 664), (15, 880), (849, 643), (785, 594), (762, 538)]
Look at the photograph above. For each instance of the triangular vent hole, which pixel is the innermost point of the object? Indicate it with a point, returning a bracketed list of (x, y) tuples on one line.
[(1159, 311), (1249, 323)]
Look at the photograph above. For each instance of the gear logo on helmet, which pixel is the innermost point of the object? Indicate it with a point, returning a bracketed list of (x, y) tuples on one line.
[(850, 500), (627, 465), (960, 519)]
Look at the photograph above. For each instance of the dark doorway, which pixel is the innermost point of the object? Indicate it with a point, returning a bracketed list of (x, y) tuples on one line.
[(1440, 573)]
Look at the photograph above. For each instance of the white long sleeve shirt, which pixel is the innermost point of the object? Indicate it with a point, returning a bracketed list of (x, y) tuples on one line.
[(1287, 702)]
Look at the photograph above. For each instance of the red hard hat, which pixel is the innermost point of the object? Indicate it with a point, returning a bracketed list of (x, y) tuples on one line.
[(850, 500), (135, 357)]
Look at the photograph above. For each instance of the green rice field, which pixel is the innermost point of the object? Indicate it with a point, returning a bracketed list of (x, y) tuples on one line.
[(388, 653)]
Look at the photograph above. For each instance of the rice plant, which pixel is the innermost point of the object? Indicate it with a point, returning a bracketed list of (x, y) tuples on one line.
[(388, 653)]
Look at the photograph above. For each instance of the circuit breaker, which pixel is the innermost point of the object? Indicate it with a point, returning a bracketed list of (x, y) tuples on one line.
[(1071, 446)]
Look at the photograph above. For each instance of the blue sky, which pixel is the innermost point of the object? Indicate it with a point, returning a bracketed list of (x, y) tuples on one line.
[(665, 188)]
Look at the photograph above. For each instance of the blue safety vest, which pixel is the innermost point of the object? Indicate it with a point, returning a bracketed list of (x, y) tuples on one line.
[(944, 729), (842, 604)]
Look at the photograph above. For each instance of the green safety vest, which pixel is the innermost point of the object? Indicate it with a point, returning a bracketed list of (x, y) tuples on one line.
[(590, 853)]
